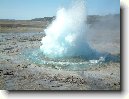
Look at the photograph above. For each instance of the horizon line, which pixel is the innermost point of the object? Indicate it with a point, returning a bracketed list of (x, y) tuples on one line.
[(55, 16)]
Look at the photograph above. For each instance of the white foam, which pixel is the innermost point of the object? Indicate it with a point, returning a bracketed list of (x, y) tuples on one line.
[(66, 36)]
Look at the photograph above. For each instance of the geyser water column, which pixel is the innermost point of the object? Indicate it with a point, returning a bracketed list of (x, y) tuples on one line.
[(66, 36)]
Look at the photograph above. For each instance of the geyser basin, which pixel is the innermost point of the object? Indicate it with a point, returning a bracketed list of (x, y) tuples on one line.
[(71, 63)]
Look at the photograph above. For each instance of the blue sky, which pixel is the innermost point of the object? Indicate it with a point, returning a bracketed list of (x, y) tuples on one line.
[(28, 9)]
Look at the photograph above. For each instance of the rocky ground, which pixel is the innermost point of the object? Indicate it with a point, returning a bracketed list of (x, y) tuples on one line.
[(17, 73)]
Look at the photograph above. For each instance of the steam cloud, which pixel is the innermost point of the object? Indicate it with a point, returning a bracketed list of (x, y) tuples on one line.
[(66, 36)]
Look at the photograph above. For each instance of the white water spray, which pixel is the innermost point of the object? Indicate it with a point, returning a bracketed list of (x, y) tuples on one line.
[(66, 36)]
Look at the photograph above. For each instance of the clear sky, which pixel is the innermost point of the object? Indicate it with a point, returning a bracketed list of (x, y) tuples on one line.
[(28, 9)]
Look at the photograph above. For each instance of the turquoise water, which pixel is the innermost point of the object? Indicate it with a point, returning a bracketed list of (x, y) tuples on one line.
[(71, 63)]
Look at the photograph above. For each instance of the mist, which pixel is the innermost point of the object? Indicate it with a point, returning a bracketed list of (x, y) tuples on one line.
[(67, 35)]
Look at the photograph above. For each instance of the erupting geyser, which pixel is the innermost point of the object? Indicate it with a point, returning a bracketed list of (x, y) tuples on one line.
[(66, 36)]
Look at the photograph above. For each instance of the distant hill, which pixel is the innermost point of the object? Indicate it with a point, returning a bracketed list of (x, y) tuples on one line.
[(7, 19), (44, 19)]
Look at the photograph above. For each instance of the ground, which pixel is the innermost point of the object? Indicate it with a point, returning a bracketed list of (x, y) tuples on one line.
[(18, 73)]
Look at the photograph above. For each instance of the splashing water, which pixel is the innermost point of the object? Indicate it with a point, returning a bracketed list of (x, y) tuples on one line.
[(66, 36)]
